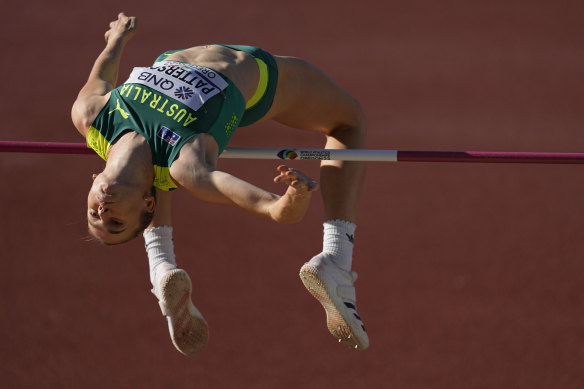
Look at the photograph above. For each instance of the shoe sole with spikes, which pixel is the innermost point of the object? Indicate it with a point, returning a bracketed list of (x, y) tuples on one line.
[(343, 322), (188, 329)]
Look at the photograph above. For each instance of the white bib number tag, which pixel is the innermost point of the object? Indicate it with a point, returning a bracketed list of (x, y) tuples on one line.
[(192, 85)]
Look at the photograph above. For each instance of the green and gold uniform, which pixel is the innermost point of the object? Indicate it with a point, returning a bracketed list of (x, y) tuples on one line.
[(170, 102)]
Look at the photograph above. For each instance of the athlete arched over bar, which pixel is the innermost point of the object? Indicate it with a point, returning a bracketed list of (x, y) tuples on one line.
[(165, 128)]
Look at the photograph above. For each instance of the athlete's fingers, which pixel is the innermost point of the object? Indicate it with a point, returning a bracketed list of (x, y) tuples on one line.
[(122, 28), (308, 185), (288, 172), (130, 22), (282, 168), (295, 178), (287, 177)]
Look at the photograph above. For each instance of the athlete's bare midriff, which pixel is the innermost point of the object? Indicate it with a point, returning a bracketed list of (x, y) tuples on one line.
[(238, 66)]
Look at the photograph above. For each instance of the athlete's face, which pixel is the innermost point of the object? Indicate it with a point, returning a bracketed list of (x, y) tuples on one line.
[(114, 210)]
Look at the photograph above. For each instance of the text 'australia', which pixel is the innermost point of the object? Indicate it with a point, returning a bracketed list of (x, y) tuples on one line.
[(157, 102)]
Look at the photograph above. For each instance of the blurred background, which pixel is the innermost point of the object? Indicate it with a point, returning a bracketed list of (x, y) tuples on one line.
[(470, 275)]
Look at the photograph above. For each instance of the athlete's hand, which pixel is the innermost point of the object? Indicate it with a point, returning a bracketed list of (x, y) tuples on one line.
[(122, 29), (292, 205), (295, 179)]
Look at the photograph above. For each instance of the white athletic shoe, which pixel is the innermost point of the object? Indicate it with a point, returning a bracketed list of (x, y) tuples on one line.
[(333, 288), (188, 330)]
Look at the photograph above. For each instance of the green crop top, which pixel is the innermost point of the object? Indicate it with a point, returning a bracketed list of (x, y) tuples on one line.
[(169, 103)]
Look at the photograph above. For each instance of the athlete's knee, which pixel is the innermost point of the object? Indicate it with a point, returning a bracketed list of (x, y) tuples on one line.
[(360, 121), (352, 130)]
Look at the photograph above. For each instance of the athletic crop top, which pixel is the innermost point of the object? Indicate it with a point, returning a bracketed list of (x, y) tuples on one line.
[(169, 103)]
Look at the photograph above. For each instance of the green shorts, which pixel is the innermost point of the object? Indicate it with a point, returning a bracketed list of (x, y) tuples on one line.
[(260, 103)]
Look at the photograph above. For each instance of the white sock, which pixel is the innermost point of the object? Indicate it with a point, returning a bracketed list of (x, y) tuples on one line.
[(160, 250), (338, 242)]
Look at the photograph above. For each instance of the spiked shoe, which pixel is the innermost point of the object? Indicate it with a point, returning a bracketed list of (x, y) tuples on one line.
[(188, 329), (333, 288)]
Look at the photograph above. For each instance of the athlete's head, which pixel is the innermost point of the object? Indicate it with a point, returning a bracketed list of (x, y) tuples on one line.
[(117, 213)]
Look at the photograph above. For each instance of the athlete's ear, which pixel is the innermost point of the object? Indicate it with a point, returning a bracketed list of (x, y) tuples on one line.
[(94, 176), (150, 203)]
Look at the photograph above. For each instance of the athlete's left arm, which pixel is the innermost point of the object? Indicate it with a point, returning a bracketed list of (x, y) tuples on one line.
[(104, 74), (209, 184), (195, 171)]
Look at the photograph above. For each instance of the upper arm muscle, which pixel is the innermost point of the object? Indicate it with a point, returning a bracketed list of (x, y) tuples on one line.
[(85, 110)]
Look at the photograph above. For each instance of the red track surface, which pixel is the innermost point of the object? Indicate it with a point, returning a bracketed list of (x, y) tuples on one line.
[(470, 276)]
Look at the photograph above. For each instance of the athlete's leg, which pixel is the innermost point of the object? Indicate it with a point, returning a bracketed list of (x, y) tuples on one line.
[(171, 285), (307, 99)]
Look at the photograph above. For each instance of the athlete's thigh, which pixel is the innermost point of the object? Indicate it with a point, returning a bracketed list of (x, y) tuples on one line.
[(307, 98)]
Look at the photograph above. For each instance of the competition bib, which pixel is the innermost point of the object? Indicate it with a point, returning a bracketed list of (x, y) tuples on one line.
[(192, 85)]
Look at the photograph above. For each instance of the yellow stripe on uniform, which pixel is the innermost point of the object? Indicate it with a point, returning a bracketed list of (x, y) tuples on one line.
[(97, 142), (262, 84)]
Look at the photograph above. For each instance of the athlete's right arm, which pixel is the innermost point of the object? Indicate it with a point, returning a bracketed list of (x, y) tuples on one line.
[(104, 74)]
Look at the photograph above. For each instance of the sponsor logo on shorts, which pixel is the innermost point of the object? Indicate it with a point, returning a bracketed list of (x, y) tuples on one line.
[(231, 125)]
